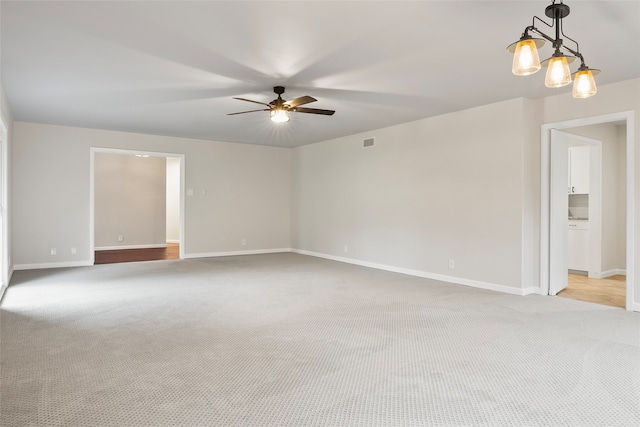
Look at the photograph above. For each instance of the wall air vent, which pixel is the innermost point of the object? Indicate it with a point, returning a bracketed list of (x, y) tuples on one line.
[(369, 142)]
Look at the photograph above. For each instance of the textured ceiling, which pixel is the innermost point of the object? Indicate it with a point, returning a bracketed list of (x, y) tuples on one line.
[(172, 68)]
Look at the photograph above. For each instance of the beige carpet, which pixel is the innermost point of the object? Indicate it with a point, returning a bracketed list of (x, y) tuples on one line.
[(290, 340)]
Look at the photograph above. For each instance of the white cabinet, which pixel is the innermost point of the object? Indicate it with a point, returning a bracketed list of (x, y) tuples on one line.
[(578, 257), (579, 170)]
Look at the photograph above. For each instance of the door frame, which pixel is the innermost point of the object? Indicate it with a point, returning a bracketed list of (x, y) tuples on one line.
[(545, 146), (6, 269), (93, 151)]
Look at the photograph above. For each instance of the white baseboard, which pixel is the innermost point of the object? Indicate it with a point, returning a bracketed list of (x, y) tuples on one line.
[(425, 274), (173, 241), (532, 291), (52, 265), (233, 253), (636, 306), (113, 248), (609, 273)]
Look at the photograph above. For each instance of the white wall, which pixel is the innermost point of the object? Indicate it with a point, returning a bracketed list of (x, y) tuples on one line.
[(461, 186), (530, 195), (173, 200), (130, 200), (247, 192), (447, 187)]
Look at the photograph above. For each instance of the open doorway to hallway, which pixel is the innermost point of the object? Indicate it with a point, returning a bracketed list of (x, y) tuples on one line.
[(597, 274), (596, 212), (137, 206), (605, 274)]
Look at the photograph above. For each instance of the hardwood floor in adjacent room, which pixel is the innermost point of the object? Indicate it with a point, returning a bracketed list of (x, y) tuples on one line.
[(172, 251), (609, 291)]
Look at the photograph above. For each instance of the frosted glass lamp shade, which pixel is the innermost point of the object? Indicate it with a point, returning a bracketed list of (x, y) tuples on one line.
[(525, 58), (279, 116), (558, 73), (584, 84)]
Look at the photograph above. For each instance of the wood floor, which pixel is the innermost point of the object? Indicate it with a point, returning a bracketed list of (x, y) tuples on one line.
[(172, 251), (609, 291)]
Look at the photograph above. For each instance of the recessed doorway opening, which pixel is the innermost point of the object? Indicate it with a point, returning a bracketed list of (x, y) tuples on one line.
[(603, 270), (137, 206)]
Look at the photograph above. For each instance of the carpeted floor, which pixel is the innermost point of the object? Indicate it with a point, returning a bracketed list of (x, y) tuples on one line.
[(291, 340)]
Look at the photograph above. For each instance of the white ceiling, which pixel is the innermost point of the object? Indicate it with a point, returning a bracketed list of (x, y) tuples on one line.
[(172, 68)]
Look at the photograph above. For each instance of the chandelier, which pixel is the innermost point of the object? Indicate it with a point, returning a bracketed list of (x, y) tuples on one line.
[(526, 60)]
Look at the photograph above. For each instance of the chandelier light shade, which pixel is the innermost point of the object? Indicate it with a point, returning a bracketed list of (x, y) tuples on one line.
[(526, 58), (558, 72), (584, 85), (279, 115)]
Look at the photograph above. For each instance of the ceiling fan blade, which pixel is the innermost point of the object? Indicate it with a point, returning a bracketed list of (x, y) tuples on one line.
[(250, 111), (300, 101), (249, 100), (313, 111)]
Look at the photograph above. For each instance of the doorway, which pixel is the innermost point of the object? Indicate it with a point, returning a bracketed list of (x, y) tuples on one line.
[(137, 206), (554, 219), (595, 185)]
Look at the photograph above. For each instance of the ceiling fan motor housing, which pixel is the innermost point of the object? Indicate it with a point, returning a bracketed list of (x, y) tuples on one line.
[(291, 105)]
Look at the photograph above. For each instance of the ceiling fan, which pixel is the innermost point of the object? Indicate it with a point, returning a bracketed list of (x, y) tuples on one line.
[(280, 108)]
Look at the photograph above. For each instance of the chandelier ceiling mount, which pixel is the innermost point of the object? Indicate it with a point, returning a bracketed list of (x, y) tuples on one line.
[(526, 60)]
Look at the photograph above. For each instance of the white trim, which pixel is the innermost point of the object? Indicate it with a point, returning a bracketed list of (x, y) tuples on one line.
[(425, 274), (234, 253), (183, 237), (628, 116), (128, 152), (608, 273), (631, 215), (92, 184), (53, 265), (5, 262), (173, 241), (113, 248)]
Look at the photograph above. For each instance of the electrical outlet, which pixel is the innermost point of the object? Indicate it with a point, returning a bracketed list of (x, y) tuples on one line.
[(346, 248), (452, 264), (244, 242), (74, 251), (54, 251), (120, 238)]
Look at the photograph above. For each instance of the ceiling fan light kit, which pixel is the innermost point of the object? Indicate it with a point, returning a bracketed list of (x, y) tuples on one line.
[(526, 60), (279, 109), (279, 116)]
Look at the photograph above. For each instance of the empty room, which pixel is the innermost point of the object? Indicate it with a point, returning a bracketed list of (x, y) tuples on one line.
[(319, 213)]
